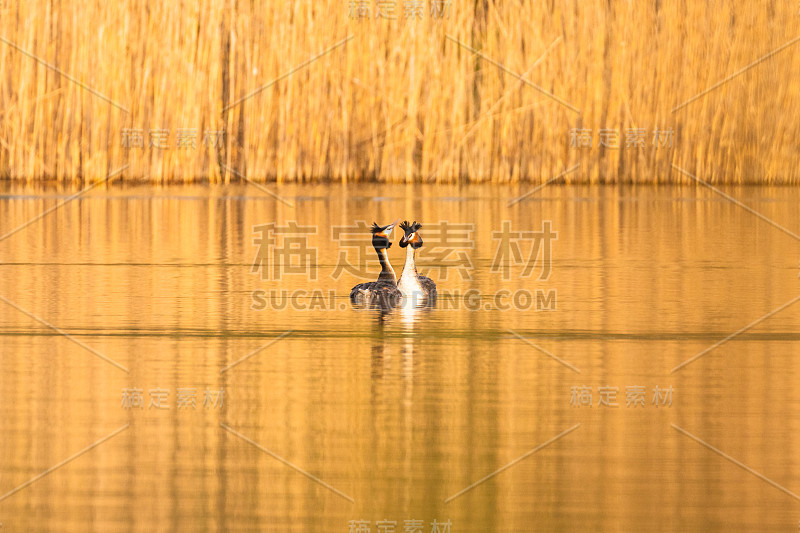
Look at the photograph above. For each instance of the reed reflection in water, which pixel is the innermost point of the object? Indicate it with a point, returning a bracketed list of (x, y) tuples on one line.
[(332, 414)]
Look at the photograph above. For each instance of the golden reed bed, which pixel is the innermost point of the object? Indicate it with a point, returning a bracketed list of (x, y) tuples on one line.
[(400, 100)]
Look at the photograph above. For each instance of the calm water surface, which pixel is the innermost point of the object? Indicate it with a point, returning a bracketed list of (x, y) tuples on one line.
[(332, 415)]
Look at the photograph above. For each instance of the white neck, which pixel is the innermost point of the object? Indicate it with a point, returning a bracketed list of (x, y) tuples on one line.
[(409, 282)]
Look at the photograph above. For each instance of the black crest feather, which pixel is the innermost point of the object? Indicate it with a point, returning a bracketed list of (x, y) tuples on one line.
[(376, 228), (410, 228)]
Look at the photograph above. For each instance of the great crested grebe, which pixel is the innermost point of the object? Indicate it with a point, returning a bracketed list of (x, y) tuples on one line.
[(384, 290), (411, 284)]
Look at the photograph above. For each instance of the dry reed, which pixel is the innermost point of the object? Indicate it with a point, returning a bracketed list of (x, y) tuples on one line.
[(400, 101)]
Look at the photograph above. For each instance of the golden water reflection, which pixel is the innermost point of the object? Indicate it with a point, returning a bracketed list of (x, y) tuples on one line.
[(398, 411)]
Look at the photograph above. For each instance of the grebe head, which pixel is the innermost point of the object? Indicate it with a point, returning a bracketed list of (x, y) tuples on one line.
[(381, 235), (411, 235)]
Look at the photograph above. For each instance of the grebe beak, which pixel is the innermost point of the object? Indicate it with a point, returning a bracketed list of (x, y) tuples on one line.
[(388, 229)]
